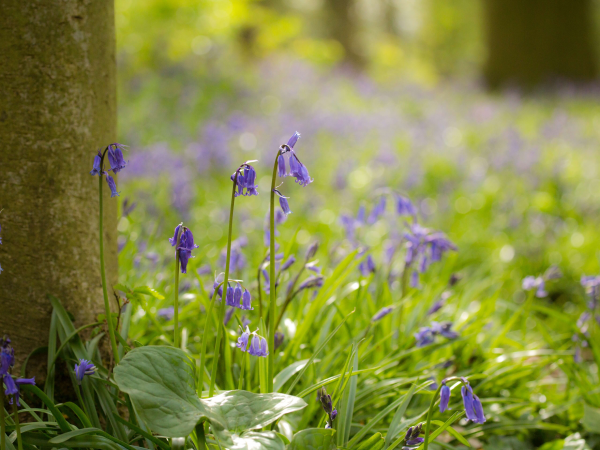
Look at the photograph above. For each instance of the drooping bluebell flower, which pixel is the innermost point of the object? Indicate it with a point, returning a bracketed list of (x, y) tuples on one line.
[(112, 186), (128, 208), (313, 268), (279, 337), (186, 245), (84, 368), (246, 301), (215, 284), (377, 211), (438, 304), (292, 141), (467, 395), (166, 313), (279, 217), (382, 313), (311, 251), (7, 356), (288, 262), (404, 207), (245, 180), (237, 295), (444, 397), (203, 270), (444, 329), (424, 337), (349, 225), (537, 283), (478, 410), (592, 289), (13, 387), (115, 157), (360, 216), (299, 170), (281, 168), (229, 297), (311, 282), (258, 346), (285, 206), (242, 342), (367, 266), (97, 168)]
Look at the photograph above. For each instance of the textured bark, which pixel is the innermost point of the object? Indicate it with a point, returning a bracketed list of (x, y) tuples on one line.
[(533, 41), (57, 107)]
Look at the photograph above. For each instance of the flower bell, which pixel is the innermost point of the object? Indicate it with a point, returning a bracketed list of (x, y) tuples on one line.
[(84, 368)]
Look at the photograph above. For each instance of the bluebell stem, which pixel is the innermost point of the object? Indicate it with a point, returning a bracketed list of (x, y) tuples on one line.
[(288, 262), (112, 186), (166, 313), (444, 397), (84, 368), (382, 313), (246, 301)]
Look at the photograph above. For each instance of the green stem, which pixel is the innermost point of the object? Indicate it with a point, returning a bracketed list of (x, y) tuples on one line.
[(2, 419), (80, 398), (200, 436), (205, 339), (428, 423), (176, 300), (242, 370), (225, 287), (17, 425), (272, 293), (111, 327)]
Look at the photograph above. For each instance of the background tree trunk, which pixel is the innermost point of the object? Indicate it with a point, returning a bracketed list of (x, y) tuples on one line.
[(57, 107), (342, 24), (531, 41)]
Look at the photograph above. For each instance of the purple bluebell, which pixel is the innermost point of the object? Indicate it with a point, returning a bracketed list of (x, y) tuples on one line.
[(279, 337), (84, 368), (537, 283), (360, 216), (478, 410), (377, 211), (367, 266), (444, 397), (414, 279), (97, 168), (292, 141), (245, 180), (467, 395), (112, 186), (281, 168), (228, 316), (311, 282), (311, 251), (325, 399), (127, 208), (313, 268), (288, 262), (592, 289), (424, 337), (444, 329), (229, 297), (186, 245), (166, 313), (258, 346), (437, 305), (297, 169), (285, 206), (382, 313), (13, 387), (220, 285), (246, 301), (7, 356), (237, 295), (115, 157), (349, 225), (242, 342), (279, 217), (412, 436), (404, 207)]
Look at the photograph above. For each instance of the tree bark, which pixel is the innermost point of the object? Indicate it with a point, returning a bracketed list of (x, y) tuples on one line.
[(57, 107), (533, 41), (342, 25)]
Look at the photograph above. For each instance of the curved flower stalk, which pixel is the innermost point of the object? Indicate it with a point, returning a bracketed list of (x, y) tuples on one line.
[(300, 173), (472, 404), (243, 179), (117, 163)]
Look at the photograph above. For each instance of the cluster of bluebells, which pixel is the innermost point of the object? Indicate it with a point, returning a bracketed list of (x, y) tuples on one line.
[(325, 399), (426, 335), (412, 439), (258, 344), (472, 404), (114, 152), (539, 283), (592, 289), (238, 299), (296, 170), (7, 361), (84, 368), (245, 179), (183, 239)]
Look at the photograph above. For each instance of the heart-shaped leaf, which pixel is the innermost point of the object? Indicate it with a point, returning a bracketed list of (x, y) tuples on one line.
[(313, 439), (252, 440), (243, 410), (160, 382)]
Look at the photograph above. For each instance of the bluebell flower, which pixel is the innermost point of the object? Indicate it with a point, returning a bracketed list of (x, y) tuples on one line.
[(444, 329), (7, 356), (242, 342), (412, 436), (281, 168), (424, 337), (292, 141), (537, 283), (84, 368), (478, 410), (404, 207), (285, 207), (444, 397), (360, 215), (245, 181), (97, 168), (326, 403), (13, 387), (377, 211), (115, 157), (237, 295), (186, 245), (173, 240), (349, 225), (246, 301), (166, 313), (258, 346), (288, 262), (312, 251), (467, 395), (112, 186), (311, 282), (367, 266), (382, 313), (279, 217), (229, 297), (592, 289), (313, 268), (220, 292)]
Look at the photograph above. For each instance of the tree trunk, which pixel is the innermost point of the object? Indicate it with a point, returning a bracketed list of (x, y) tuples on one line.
[(532, 41), (342, 25), (57, 107)]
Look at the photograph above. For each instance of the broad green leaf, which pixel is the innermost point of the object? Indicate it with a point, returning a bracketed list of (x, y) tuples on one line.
[(591, 418), (575, 442), (243, 410), (160, 382), (252, 440), (313, 439)]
